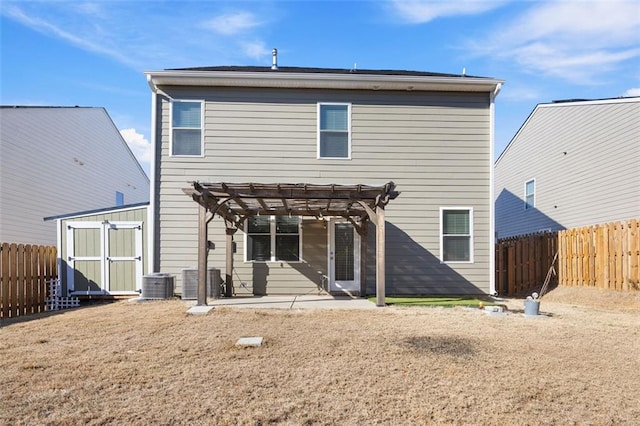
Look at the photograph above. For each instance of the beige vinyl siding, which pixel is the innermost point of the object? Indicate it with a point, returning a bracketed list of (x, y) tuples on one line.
[(596, 181), (434, 146), (59, 160)]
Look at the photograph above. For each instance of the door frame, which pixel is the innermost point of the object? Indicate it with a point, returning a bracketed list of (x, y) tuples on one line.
[(351, 286), (104, 258)]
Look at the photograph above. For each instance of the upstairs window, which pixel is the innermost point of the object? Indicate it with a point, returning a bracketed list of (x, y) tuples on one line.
[(273, 238), (530, 194), (456, 224), (119, 199), (186, 128), (334, 125)]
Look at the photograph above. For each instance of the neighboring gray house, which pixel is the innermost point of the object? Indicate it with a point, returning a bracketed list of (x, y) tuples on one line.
[(290, 157), (55, 160), (571, 164)]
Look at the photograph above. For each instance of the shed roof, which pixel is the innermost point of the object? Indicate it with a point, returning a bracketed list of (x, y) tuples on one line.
[(98, 211)]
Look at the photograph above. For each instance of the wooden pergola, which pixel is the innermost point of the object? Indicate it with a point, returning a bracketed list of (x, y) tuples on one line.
[(235, 202)]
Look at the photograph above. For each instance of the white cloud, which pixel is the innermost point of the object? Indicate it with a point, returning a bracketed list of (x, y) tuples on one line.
[(232, 23), (576, 41), (139, 145), (88, 43), (166, 38), (256, 50), (635, 91), (421, 11), (519, 93)]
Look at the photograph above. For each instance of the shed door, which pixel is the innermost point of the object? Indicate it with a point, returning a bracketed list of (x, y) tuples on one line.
[(104, 258), (85, 258)]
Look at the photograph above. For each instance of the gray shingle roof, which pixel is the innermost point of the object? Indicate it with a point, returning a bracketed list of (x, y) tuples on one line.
[(309, 70)]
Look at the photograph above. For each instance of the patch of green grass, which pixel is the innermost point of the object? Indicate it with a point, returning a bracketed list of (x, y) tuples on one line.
[(445, 301)]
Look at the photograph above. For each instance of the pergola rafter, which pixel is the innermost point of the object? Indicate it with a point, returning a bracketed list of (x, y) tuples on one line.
[(235, 202)]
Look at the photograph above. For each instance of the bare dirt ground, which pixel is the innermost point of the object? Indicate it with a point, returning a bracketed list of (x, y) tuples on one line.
[(150, 363)]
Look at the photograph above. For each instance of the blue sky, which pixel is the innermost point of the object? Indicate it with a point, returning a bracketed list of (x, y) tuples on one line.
[(94, 53)]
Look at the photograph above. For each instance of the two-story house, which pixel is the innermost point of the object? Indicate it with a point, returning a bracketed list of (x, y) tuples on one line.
[(340, 181), (572, 163)]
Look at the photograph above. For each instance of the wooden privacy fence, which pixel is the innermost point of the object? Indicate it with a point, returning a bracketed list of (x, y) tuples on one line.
[(604, 256), (24, 273), (522, 263)]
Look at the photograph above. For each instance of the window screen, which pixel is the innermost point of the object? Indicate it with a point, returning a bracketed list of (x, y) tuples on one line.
[(530, 194), (456, 235), (186, 122), (334, 131)]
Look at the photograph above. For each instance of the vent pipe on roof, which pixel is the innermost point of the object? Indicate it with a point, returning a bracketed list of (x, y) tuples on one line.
[(274, 62)]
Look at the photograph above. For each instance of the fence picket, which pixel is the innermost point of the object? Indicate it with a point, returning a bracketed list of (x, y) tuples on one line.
[(27, 280), (634, 254), (4, 280)]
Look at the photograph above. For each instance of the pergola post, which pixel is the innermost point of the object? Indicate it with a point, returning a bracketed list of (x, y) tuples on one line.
[(228, 278), (363, 258), (380, 257), (202, 255)]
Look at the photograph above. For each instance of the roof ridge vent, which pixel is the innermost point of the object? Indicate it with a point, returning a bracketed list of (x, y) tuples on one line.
[(274, 59)]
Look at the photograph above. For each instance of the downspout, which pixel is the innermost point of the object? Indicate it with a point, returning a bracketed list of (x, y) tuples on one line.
[(151, 212), (492, 225)]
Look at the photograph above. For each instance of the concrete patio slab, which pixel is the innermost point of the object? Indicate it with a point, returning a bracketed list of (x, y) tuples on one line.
[(199, 310), (293, 302)]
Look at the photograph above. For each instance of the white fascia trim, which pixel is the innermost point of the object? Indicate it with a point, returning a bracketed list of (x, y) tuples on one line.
[(321, 81)]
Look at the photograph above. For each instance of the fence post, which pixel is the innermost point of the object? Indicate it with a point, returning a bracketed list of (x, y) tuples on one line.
[(4, 280)]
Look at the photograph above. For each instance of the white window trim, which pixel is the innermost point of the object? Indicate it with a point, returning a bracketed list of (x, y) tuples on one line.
[(348, 157), (471, 242), (526, 206), (202, 105), (272, 236)]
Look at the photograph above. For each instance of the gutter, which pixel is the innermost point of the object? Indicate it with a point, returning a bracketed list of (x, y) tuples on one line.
[(358, 81)]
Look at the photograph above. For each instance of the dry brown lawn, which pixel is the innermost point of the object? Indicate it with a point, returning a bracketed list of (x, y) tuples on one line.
[(150, 363)]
